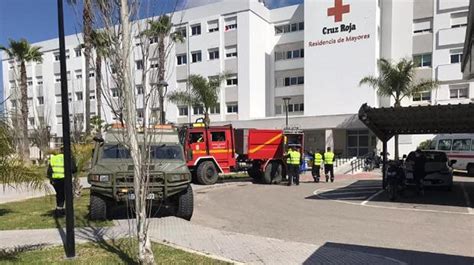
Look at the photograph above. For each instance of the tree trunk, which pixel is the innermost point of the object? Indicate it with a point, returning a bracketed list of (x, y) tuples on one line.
[(140, 181), (161, 77), (25, 142), (207, 120), (397, 104), (98, 88), (87, 24)]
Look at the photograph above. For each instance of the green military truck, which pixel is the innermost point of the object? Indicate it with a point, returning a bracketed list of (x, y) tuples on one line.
[(112, 173)]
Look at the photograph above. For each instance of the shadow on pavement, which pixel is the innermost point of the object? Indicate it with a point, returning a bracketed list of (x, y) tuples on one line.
[(361, 190), (336, 253)]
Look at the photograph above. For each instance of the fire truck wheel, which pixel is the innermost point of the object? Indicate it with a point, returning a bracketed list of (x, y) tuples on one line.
[(254, 173), (206, 173), (185, 204), (273, 173)]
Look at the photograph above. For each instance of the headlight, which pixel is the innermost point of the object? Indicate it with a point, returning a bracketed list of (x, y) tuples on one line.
[(100, 178), (176, 177)]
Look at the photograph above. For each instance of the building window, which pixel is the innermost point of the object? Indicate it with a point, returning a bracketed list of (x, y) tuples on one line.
[(39, 80), (422, 60), (29, 81), (181, 59), (292, 54), (278, 110), (92, 97), (232, 81), (40, 100), (140, 113), (91, 73), (294, 81), (216, 109), (154, 63), (459, 91), (13, 102), (115, 92), (78, 52), (296, 107), (459, 20), (422, 26), (153, 40), (32, 121), (57, 78), (196, 57), (183, 111), (139, 89), (56, 56), (213, 54), (456, 57), (196, 30), (231, 51), (78, 74), (139, 64), (230, 24), (79, 96), (181, 32), (213, 26), (285, 28), (198, 110), (232, 107), (422, 96)]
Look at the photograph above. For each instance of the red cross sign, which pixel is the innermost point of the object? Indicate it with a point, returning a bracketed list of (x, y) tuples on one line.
[(338, 10)]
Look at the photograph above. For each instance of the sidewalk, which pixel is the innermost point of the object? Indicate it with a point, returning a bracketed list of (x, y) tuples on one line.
[(10, 194), (238, 247)]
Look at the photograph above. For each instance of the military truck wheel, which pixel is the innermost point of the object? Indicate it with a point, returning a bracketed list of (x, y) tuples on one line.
[(273, 173), (206, 173), (98, 208), (185, 204)]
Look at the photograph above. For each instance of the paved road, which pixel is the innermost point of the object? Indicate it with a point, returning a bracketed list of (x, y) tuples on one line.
[(352, 214)]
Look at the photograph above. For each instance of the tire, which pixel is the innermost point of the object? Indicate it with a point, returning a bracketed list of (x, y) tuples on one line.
[(206, 173), (470, 170), (273, 173), (98, 208), (185, 204), (255, 173)]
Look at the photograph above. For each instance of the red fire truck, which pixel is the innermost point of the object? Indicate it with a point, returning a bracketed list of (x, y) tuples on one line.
[(212, 150)]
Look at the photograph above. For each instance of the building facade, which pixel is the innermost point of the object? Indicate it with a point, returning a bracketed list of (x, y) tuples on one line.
[(313, 54)]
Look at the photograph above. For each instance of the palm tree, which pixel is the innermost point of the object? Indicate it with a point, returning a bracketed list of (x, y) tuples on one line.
[(203, 93), (23, 52), (161, 29), (396, 80), (100, 42), (87, 24)]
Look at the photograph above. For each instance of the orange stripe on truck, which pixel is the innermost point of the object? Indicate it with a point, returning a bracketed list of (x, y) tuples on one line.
[(213, 151), (266, 143)]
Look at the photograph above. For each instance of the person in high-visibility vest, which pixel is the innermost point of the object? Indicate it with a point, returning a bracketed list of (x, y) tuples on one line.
[(329, 159), (317, 162), (56, 175), (293, 166)]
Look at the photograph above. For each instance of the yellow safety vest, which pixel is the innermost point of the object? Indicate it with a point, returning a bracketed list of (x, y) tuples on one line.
[(294, 158), (328, 158), (318, 159), (57, 164)]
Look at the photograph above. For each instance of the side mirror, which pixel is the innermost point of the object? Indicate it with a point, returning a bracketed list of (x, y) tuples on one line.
[(452, 162), (404, 156)]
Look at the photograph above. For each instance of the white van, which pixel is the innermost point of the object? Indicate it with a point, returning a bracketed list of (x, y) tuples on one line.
[(459, 147)]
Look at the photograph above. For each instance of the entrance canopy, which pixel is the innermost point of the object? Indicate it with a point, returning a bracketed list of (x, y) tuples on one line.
[(437, 119)]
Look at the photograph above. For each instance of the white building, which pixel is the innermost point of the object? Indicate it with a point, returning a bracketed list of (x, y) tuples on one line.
[(314, 53)]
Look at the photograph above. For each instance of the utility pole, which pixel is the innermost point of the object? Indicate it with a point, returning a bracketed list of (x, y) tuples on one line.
[(70, 240)]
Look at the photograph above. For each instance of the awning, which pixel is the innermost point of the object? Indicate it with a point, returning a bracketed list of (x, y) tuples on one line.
[(433, 119)]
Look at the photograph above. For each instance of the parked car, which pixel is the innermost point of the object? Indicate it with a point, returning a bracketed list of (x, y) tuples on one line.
[(439, 171), (459, 147)]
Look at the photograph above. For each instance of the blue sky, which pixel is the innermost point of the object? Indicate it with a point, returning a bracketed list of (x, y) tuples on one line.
[(36, 20)]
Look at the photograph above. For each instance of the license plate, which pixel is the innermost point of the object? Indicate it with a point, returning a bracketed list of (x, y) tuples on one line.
[(150, 196)]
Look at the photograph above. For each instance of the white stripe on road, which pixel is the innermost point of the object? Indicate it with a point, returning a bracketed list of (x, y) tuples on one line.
[(468, 201), (371, 197), (329, 193)]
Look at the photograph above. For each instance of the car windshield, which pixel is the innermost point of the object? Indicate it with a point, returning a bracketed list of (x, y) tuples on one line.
[(435, 157), (156, 152)]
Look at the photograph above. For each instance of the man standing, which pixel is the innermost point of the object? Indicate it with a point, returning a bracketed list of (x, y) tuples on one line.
[(293, 166), (56, 176), (328, 164), (318, 161), (419, 170)]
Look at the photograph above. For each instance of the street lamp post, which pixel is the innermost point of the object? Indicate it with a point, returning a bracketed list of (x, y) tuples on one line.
[(162, 88), (70, 246), (286, 100)]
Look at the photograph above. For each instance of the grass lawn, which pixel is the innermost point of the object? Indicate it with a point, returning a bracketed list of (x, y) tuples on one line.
[(38, 213), (110, 252)]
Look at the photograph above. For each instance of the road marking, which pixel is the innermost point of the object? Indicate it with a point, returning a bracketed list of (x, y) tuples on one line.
[(350, 192), (317, 194), (371, 197), (352, 198), (468, 201)]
